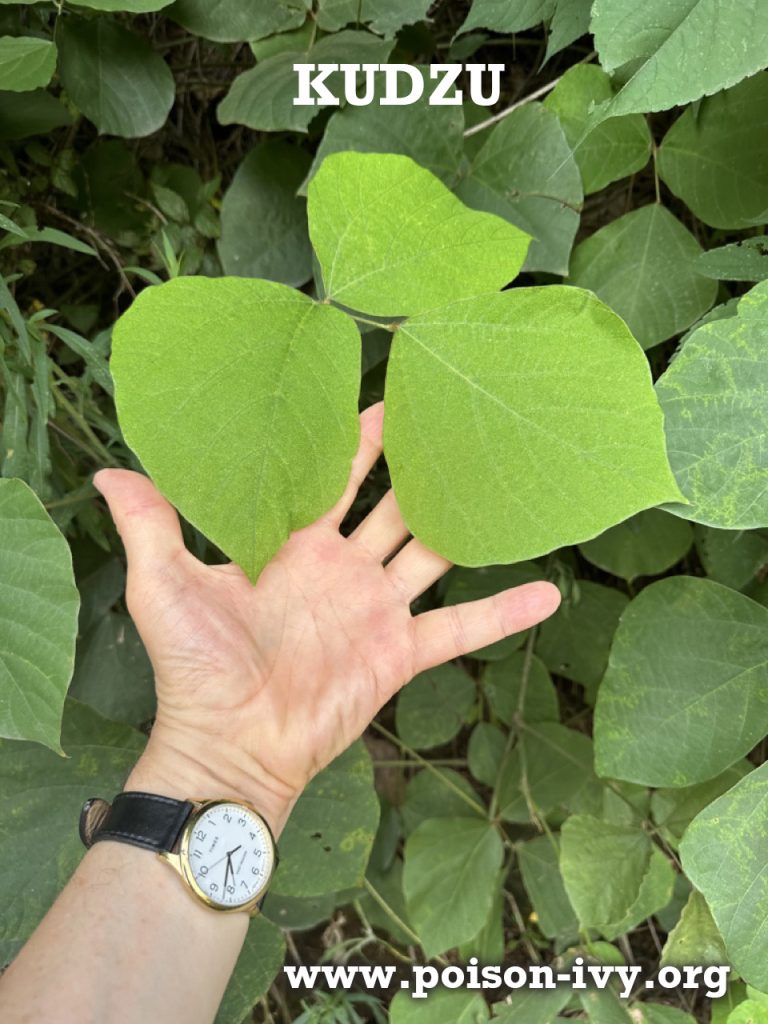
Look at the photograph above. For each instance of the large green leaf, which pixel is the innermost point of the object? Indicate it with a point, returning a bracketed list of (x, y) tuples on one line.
[(392, 240), (669, 52), (715, 158), (569, 22), (603, 866), (507, 15), (230, 21), (723, 854), (263, 222), (741, 261), (265, 417), (450, 878), (262, 98), (114, 76), (519, 687), (40, 800), (643, 265), (716, 418), (526, 173), (432, 707), (558, 382), (686, 691), (615, 148), (438, 793), (260, 959), (655, 893), (674, 809), (328, 839), (646, 545), (695, 938), (30, 113), (539, 861), (384, 16), (732, 557), (26, 63), (38, 618)]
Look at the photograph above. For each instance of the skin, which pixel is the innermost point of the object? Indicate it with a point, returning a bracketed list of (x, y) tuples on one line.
[(258, 688)]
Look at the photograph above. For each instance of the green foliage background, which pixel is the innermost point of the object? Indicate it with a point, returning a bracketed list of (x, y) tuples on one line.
[(595, 786)]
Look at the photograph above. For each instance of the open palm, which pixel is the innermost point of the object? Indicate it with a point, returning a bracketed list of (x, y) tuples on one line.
[(271, 681)]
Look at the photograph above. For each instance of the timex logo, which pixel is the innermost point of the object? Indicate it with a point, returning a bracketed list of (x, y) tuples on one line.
[(395, 85)]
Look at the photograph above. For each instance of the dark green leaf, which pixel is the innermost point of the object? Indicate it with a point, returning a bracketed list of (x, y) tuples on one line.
[(230, 21), (433, 707), (645, 545)]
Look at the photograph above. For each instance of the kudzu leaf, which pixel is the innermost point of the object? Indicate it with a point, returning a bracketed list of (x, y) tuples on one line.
[(230, 21), (526, 173), (450, 879), (263, 223), (114, 77), (674, 809), (26, 63), (559, 383), (262, 97), (249, 432), (438, 793), (520, 685), (539, 861), (695, 938), (329, 836), (570, 21), (643, 266), (38, 618), (646, 545), (486, 751), (444, 1006), (669, 54), (690, 659), (741, 261), (432, 136), (532, 1006), (715, 158), (432, 707), (723, 854), (30, 113), (507, 15), (386, 17), (392, 240), (655, 893), (716, 420), (37, 786), (732, 557), (603, 866), (260, 959), (613, 149)]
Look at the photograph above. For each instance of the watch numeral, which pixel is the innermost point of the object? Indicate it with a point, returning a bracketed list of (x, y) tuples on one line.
[(197, 854), (241, 821), (214, 887), (255, 871), (227, 817), (230, 888), (252, 835), (200, 835), (244, 885), (204, 870), (257, 853)]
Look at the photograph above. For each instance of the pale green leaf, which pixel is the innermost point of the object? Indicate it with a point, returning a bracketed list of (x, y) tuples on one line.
[(297, 39), (262, 98), (686, 691), (261, 957), (539, 861), (655, 893), (741, 261), (669, 52), (569, 22), (751, 1011), (392, 240), (438, 793), (38, 618), (450, 878), (230, 21), (721, 1008), (263, 222), (603, 866), (280, 400), (558, 382), (576, 640), (444, 1006), (732, 557), (328, 839), (715, 157), (507, 15), (613, 149), (386, 17), (432, 707), (532, 1006), (526, 173), (715, 418), (723, 854), (38, 787), (26, 63), (674, 809), (114, 76), (646, 545), (643, 265), (695, 938), (131, 6), (546, 768), (520, 685)]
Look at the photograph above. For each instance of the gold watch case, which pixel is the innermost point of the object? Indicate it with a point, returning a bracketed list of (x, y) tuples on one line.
[(178, 858)]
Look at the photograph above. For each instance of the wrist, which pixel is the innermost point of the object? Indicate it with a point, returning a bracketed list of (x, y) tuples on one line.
[(188, 767)]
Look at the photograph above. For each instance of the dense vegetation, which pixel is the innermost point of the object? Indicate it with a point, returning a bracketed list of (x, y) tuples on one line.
[(595, 786)]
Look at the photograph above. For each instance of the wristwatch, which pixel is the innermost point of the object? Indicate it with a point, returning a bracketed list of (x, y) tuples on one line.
[(223, 849)]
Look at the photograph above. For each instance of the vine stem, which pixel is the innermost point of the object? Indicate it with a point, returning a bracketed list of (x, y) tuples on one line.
[(393, 916)]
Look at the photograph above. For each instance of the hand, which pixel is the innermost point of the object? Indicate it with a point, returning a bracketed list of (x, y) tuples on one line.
[(259, 687)]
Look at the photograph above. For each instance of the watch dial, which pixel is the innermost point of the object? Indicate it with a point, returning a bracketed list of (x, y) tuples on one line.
[(230, 854)]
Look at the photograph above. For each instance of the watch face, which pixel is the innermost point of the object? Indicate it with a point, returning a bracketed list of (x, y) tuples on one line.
[(229, 854)]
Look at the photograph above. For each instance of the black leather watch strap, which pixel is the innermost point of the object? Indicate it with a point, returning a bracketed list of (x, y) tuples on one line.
[(141, 819)]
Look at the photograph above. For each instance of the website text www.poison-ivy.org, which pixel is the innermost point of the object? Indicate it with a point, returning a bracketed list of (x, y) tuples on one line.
[(421, 980)]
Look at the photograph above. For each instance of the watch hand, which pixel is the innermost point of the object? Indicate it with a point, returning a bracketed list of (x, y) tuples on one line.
[(227, 870)]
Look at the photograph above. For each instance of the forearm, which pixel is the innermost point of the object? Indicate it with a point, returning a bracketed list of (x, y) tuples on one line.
[(126, 941)]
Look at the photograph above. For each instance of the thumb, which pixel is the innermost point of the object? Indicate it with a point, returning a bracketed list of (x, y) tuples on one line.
[(148, 525)]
